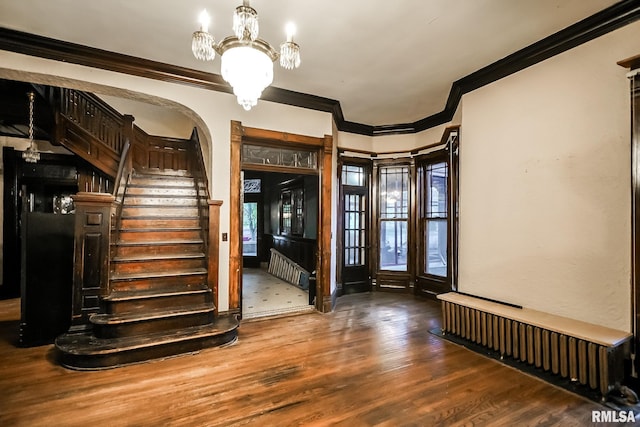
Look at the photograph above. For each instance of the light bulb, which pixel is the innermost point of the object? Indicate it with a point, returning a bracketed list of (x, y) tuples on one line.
[(204, 20), (290, 29)]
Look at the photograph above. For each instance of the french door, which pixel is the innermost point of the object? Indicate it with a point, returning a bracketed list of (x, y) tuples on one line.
[(355, 228)]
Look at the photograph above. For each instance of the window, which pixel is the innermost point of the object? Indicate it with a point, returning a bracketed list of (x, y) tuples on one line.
[(434, 217), (292, 211), (353, 175), (250, 229), (276, 156), (252, 186), (394, 216)]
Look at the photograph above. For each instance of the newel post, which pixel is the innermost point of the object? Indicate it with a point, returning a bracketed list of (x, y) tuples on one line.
[(91, 255), (213, 254)]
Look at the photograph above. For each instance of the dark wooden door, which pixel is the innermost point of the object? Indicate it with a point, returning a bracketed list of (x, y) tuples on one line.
[(355, 238)]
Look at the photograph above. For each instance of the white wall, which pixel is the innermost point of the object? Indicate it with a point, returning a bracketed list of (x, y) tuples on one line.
[(215, 110), (157, 120), (545, 185)]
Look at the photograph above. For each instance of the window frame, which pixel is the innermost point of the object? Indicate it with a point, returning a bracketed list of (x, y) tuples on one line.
[(431, 284)]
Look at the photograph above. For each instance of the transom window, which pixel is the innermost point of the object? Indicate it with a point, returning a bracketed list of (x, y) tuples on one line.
[(353, 175), (278, 156)]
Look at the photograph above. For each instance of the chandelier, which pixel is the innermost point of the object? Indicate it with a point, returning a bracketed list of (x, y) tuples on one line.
[(31, 154), (246, 60)]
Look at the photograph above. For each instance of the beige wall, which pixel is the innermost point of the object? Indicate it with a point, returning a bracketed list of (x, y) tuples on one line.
[(545, 185)]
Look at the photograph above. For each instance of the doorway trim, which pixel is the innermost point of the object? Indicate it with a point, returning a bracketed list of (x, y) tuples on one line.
[(324, 145)]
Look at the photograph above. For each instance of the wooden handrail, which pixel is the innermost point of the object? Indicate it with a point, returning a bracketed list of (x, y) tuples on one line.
[(124, 172), (123, 177)]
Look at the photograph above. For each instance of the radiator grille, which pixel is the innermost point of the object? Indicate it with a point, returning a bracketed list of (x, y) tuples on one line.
[(577, 359)]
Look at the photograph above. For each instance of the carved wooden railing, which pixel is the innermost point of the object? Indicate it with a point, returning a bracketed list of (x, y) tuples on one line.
[(94, 116)]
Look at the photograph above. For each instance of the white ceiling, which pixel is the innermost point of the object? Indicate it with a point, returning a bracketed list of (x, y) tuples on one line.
[(386, 62)]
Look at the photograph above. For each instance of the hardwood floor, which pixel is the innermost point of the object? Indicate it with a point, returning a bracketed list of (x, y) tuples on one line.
[(371, 362)]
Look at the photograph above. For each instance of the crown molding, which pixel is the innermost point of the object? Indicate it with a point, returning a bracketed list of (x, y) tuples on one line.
[(609, 19)]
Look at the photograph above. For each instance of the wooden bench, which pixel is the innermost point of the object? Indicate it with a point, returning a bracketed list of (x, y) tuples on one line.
[(591, 354)]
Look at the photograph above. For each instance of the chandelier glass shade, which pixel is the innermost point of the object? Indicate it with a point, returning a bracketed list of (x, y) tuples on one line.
[(246, 60)]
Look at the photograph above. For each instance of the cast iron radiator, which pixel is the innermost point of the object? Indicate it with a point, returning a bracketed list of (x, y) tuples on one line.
[(590, 354)]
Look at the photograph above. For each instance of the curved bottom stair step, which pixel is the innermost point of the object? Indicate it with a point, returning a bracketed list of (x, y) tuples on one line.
[(142, 323), (83, 351)]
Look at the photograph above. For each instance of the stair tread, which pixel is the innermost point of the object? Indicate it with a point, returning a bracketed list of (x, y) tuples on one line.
[(85, 343), (122, 318), (142, 230), (135, 258), (161, 186), (180, 173), (159, 242), (160, 217), (128, 295), (157, 206), (153, 274)]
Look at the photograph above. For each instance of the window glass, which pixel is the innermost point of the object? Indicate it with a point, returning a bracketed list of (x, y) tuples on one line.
[(250, 229), (436, 244), (435, 211), (252, 186), (263, 155), (352, 175), (394, 192), (394, 216), (393, 245)]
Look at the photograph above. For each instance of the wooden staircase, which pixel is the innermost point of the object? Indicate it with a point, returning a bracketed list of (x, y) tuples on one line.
[(158, 303), (146, 241)]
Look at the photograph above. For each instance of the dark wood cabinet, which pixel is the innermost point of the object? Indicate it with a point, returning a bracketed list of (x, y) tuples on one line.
[(46, 276)]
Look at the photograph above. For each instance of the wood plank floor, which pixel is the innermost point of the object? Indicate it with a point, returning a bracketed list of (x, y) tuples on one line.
[(372, 362)]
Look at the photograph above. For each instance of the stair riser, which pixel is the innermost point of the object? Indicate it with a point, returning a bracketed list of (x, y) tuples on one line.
[(159, 223), (141, 305), (158, 236), (159, 183), (160, 201), (152, 326), (186, 211), (161, 191), (123, 267), (141, 250), (195, 281)]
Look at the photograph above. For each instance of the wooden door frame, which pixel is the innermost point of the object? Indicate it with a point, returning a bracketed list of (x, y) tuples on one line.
[(240, 134)]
